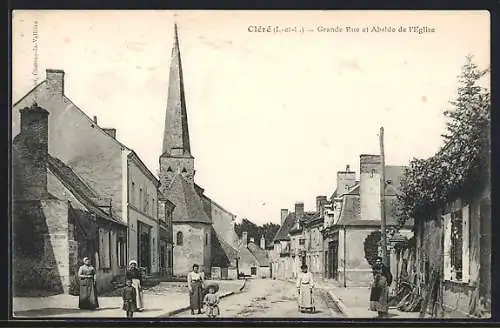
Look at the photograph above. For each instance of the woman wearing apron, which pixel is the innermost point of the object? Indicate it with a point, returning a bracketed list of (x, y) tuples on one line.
[(134, 274), (195, 284)]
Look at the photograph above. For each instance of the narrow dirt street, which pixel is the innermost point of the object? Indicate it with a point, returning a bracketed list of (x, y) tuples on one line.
[(265, 298)]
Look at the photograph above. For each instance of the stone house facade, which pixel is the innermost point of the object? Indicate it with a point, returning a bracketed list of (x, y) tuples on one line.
[(106, 165), (57, 218), (454, 257), (352, 224)]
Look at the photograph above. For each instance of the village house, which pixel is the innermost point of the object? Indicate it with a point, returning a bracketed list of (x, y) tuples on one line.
[(281, 261), (453, 252), (352, 223), (253, 259), (314, 239), (201, 228), (114, 171), (57, 217)]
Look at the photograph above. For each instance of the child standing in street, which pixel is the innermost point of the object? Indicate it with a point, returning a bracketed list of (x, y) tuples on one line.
[(211, 302), (129, 299)]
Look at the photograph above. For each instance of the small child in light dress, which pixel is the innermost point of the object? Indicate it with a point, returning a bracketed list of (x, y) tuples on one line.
[(129, 299), (211, 301)]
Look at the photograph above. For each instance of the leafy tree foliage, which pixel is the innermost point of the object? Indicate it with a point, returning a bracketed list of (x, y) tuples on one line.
[(462, 164), (268, 230)]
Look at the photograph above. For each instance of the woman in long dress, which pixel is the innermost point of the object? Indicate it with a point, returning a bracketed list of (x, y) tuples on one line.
[(134, 274), (88, 295), (195, 281), (305, 285), (379, 296)]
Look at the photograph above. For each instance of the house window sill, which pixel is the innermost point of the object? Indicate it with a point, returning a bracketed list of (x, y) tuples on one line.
[(458, 282)]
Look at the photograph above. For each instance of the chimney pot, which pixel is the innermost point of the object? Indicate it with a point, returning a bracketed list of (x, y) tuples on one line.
[(95, 119), (244, 238), (299, 210), (262, 242), (284, 214)]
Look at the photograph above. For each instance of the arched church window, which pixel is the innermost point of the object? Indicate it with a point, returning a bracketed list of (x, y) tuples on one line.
[(184, 170), (169, 169), (179, 238)]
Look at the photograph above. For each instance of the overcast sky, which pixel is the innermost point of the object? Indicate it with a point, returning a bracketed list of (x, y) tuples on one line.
[(272, 116)]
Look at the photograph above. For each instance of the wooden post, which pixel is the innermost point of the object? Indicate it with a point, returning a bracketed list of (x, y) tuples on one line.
[(382, 199)]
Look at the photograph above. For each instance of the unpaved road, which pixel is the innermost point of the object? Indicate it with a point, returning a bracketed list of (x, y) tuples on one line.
[(266, 298)]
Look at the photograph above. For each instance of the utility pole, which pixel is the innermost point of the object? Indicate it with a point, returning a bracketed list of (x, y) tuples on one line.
[(382, 199)]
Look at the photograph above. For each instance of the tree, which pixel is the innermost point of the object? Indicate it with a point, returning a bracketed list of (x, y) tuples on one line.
[(268, 230), (462, 164)]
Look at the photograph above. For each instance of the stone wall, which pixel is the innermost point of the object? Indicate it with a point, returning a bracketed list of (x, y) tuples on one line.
[(193, 249)]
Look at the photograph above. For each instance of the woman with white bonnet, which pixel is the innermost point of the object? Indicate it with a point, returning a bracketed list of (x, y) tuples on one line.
[(133, 273)]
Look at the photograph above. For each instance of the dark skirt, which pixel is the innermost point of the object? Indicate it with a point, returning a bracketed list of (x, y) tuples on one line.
[(130, 305), (88, 295), (196, 296)]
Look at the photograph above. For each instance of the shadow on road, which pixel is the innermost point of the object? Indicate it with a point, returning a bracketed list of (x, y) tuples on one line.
[(56, 311)]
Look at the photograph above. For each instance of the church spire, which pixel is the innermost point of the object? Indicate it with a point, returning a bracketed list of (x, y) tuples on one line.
[(176, 134)]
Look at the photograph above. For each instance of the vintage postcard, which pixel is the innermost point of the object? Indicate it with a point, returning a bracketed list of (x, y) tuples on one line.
[(251, 164)]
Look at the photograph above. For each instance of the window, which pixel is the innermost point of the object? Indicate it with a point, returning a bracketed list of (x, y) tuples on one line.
[(179, 238), (253, 271), (302, 241), (456, 243), (132, 193), (104, 252), (206, 238), (120, 251), (372, 173), (169, 169)]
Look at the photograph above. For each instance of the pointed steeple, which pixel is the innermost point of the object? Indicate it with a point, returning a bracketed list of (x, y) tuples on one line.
[(176, 134)]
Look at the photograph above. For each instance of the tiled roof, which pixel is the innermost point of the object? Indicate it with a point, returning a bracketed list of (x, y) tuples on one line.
[(79, 188), (222, 253), (351, 213), (282, 233), (188, 205), (259, 253)]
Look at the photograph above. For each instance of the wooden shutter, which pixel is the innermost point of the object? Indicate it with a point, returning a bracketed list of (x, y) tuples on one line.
[(447, 247), (465, 243)]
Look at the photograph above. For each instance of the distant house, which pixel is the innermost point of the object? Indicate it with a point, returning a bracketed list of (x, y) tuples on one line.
[(57, 217), (253, 260), (353, 221), (289, 251), (314, 239)]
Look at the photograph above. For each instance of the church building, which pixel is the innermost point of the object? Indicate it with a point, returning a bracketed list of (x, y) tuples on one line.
[(193, 229)]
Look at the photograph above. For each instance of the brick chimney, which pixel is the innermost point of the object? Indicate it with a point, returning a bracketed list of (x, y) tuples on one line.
[(320, 204), (33, 149), (345, 180), (299, 210), (262, 242), (284, 214), (244, 238), (55, 82), (110, 131)]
